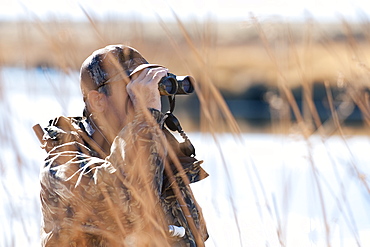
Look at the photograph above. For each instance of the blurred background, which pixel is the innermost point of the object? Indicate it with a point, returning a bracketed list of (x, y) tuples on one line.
[(280, 114)]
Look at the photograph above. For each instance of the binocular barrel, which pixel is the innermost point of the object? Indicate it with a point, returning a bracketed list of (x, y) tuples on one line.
[(173, 84)]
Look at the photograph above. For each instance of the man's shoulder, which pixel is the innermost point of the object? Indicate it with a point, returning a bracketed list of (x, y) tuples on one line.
[(63, 121), (61, 130), (62, 125)]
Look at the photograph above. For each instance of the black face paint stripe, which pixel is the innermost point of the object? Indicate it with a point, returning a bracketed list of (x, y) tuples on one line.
[(124, 58), (126, 105), (95, 68), (131, 54)]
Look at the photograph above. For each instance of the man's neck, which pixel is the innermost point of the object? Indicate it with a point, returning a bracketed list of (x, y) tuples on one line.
[(99, 137), (101, 141)]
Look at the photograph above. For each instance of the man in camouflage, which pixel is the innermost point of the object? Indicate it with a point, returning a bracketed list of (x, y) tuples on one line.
[(116, 176)]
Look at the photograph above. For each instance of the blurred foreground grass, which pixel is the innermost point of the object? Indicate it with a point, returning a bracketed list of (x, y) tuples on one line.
[(227, 59)]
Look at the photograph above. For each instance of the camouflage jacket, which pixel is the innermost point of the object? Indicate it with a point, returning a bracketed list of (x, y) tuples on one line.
[(126, 198)]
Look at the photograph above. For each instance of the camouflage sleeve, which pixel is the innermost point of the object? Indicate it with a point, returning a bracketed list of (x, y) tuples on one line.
[(139, 151), (89, 201)]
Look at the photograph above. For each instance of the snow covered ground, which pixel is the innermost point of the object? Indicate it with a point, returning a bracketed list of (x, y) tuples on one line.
[(263, 190)]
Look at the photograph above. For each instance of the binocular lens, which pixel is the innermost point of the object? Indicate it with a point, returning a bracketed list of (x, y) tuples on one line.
[(168, 86), (172, 84), (185, 84)]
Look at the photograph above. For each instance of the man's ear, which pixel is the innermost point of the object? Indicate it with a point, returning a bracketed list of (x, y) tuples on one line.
[(96, 101)]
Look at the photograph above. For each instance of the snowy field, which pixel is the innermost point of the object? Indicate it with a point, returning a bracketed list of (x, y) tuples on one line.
[(263, 190)]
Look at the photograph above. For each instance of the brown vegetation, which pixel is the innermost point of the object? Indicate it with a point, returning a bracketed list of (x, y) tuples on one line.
[(233, 53), (230, 56)]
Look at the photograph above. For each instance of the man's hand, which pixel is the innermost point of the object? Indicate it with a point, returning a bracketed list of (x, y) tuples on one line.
[(143, 88)]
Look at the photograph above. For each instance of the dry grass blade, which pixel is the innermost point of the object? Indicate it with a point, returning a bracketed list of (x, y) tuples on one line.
[(284, 85), (287, 60), (207, 91)]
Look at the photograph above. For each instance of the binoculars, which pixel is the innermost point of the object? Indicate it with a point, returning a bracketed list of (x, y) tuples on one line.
[(173, 84)]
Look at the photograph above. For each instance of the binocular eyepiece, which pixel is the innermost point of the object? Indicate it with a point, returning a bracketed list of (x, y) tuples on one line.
[(173, 84)]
